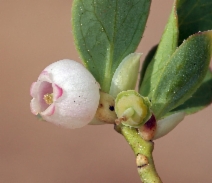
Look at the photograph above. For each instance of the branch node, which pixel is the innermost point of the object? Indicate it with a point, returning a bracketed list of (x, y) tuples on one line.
[(141, 161)]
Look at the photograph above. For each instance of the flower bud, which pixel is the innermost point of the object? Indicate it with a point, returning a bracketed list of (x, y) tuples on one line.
[(132, 109), (125, 76), (167, 124), (65, 94)]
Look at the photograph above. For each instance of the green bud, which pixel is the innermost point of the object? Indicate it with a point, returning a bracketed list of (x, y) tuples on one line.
[(132, 109), (125, 76)]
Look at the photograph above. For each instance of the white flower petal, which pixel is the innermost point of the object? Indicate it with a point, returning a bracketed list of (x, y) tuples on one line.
[(57, 91), (34, 106), (49, 111), (33, 89)]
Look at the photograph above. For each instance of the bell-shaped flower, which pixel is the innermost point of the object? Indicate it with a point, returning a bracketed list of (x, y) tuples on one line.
[(66, 94)]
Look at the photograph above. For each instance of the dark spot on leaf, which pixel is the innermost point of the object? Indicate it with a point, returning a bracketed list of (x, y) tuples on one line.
[(100, 105)]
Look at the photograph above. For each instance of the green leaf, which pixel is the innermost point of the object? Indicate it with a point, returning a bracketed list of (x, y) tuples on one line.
[(182, 74), (105, 32), (200, 99), (194, 16), (165, 49)]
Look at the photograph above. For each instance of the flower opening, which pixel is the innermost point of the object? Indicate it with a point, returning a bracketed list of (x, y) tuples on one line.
[(65, 94)]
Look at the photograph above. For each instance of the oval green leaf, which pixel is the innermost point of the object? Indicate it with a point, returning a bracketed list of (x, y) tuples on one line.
[(194, 16), (105, 32), (200, 99), (183, 73), (166, 48)]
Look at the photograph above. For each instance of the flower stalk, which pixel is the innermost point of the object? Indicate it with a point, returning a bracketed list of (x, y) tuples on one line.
[(143, 152)]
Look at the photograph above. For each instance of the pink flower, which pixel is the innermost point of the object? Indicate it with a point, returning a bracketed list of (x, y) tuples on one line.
[(65, 94)]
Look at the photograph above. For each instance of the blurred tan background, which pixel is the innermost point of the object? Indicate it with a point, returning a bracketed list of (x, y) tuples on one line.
[(34, 34)]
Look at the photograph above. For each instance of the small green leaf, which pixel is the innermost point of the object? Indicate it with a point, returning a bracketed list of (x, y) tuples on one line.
[(105, 32), (194, 16), (200, 99), (183, 73), (165, 49), (126, 74)]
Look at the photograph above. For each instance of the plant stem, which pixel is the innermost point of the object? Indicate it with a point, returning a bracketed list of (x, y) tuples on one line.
[(143, 151)]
